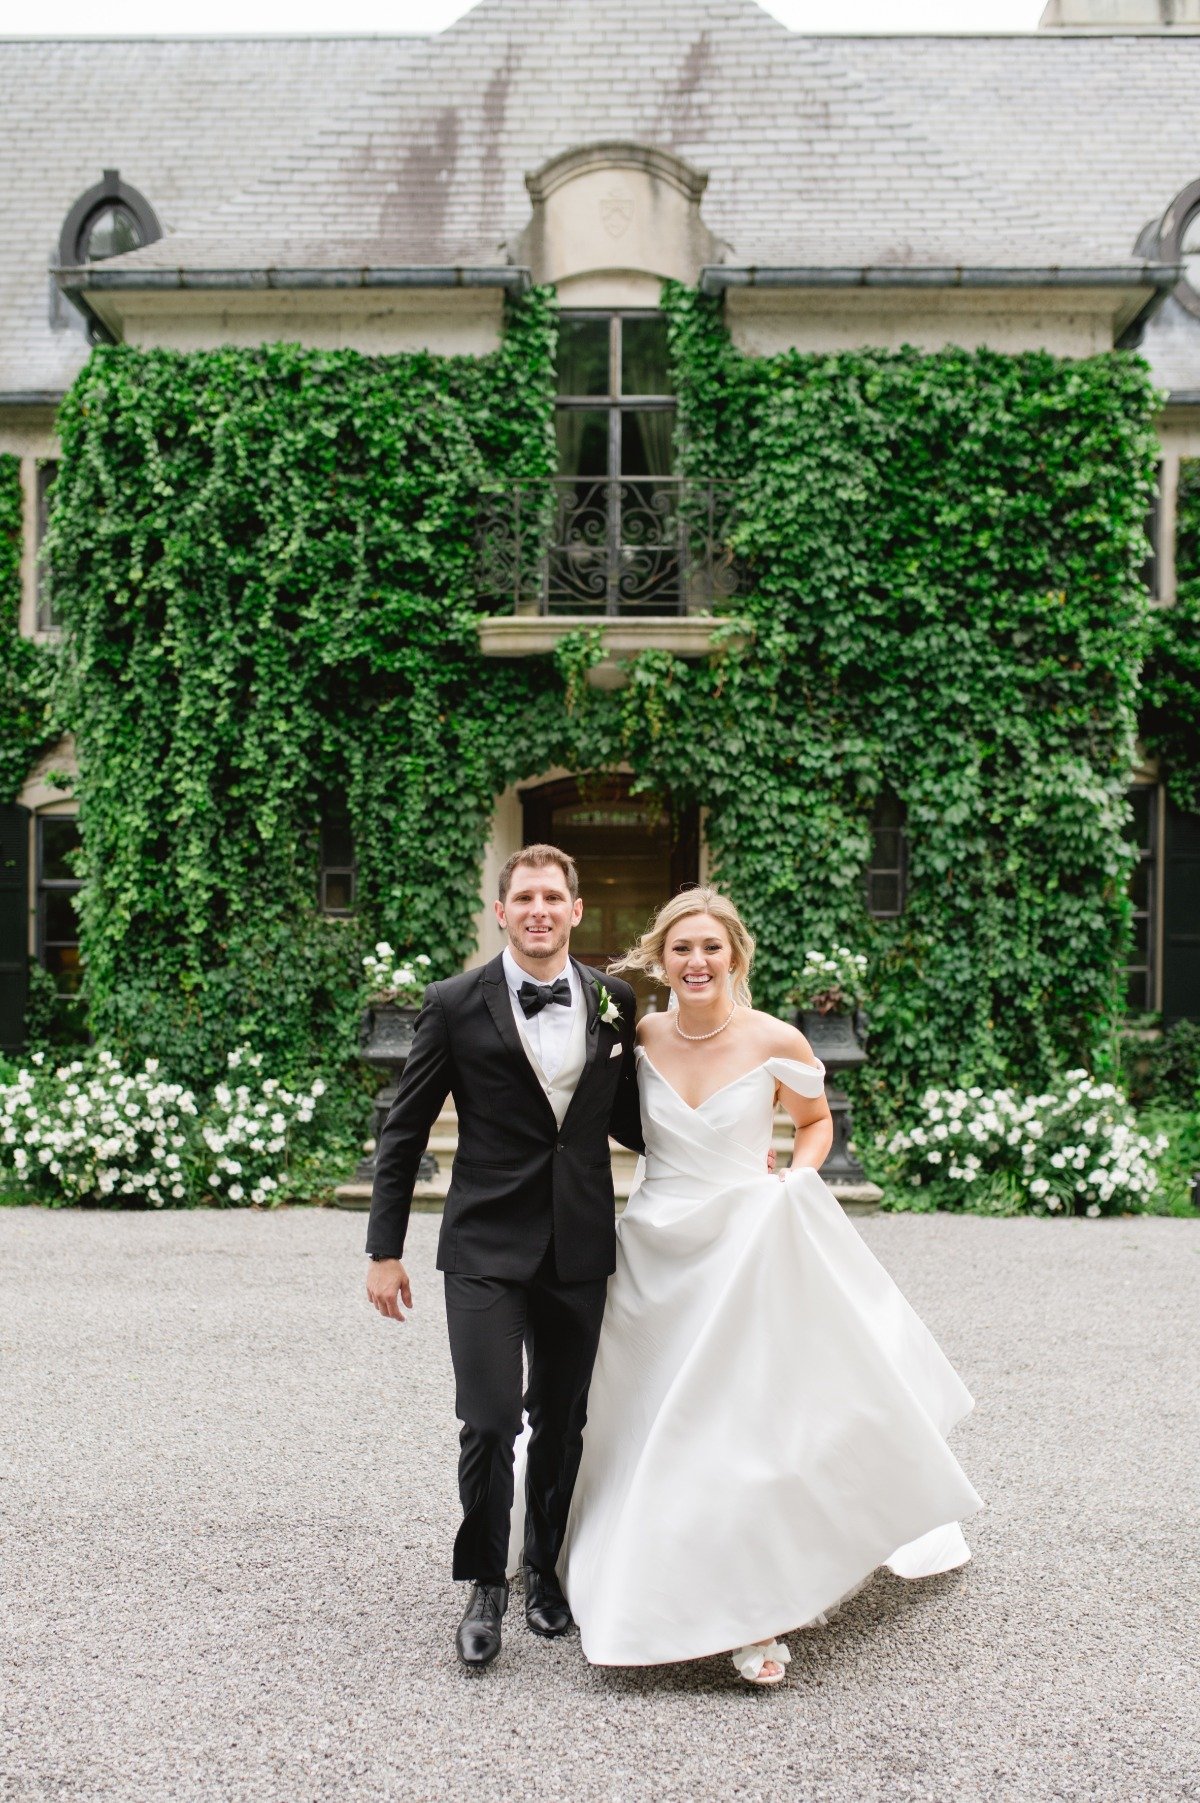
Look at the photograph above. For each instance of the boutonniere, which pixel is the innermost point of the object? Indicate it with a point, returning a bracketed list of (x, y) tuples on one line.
[(610, 1014)]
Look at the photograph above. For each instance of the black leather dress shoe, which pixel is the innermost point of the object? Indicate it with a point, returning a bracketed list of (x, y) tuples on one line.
[(478, 1637), (546, 1608)]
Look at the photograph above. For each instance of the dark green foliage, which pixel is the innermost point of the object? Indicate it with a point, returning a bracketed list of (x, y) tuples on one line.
[(27, 724), (1166, 1068), (1171, 709), (946, 599), (265, 560)]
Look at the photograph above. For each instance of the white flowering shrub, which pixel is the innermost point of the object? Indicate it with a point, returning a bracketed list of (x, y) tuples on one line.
[(396, 977), (1074, 1150), (90, 1131), (245, 1131), (828, 980)]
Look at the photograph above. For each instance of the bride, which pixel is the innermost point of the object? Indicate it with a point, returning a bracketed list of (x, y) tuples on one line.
[(767, 1416)]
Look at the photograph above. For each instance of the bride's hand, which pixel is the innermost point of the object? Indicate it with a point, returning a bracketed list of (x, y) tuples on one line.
[(771, 1159)]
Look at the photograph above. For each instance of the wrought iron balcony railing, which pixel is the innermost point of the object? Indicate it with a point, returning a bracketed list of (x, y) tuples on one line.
[(583, 545)]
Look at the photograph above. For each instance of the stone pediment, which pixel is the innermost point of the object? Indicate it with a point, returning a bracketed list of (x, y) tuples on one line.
[(616, 208)]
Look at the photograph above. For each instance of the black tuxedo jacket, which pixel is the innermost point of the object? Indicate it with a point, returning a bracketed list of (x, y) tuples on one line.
[(517, 1174)]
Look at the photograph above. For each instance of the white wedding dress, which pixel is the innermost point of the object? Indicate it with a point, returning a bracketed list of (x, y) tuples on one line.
[(767, 1419)]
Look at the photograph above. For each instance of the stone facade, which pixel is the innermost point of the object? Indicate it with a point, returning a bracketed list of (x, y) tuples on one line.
[(385, 193)]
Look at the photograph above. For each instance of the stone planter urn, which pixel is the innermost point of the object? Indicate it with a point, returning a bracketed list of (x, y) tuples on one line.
[(385, 1041), (835, 1041)]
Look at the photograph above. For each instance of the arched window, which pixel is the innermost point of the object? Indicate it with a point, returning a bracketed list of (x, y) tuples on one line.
[(1178, 241), (106, 221), (887, 872)]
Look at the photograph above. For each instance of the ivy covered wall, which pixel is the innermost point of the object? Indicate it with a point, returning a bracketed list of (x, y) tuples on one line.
[(946, 553), (265, 562)]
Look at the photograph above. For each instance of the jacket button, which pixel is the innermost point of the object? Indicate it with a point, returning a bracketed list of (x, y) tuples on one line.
[(559, 1147)]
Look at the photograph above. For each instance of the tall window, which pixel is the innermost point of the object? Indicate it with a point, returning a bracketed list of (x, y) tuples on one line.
[(338, 875), (616, 409), (1150, 569), (57, 927), (887, 872), (47, 471), (1141, 972)]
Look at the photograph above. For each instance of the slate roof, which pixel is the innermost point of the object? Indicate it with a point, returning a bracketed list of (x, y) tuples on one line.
[(1021, 150)]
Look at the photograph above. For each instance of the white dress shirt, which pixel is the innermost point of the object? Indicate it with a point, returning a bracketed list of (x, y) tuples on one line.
[(548, 1031)]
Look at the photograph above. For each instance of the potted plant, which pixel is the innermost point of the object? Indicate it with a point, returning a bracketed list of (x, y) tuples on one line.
[(394, 983), (827, 993)]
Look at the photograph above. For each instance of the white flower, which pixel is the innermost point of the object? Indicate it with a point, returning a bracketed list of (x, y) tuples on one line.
[(1092, 1211), (610, 1014)]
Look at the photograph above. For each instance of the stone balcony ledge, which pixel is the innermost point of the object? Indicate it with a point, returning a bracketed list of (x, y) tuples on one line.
[(536, 635)]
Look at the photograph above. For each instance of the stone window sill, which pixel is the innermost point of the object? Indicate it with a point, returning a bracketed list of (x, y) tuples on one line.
[(536, 635)]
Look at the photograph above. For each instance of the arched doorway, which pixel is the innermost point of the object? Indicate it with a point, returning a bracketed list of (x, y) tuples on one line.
[(633, 854)]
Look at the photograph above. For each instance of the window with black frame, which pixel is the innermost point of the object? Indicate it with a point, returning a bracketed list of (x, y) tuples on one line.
[(338, 876), (887, 872), (58, 883), (617, 543), (1141, 970)]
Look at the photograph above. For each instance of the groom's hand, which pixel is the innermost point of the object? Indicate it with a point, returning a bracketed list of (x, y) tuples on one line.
[(386, 1280)]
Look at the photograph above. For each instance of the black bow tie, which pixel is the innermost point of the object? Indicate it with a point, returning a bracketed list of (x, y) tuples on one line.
[(533, 997)]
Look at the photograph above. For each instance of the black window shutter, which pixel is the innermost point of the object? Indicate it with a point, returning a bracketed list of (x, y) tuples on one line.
[(14, 926), (1181, 917)]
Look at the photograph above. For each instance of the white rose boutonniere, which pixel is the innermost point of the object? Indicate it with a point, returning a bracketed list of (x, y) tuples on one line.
[(610, 1014)]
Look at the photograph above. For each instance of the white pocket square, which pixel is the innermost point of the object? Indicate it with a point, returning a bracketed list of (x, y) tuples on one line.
[(616, 1051)]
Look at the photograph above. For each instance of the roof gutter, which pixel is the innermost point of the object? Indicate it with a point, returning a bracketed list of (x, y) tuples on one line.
[(31, 397), (716, 278), (94, 278), (78, 284)]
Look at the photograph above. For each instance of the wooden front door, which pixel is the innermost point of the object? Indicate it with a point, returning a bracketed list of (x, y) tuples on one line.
[(633, 853)]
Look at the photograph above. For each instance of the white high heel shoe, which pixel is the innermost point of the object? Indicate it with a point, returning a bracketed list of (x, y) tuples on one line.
[(749, 1662)]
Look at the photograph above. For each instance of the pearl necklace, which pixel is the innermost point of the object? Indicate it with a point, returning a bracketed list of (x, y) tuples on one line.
[(715, 1031)]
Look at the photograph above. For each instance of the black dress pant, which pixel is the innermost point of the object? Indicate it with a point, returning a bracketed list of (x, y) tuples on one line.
[(489, 1320)]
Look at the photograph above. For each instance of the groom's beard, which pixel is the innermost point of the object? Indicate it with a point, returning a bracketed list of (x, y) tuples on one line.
[(548, 947)]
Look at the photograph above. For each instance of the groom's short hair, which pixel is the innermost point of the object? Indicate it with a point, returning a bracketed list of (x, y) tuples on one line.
[(539, 856)]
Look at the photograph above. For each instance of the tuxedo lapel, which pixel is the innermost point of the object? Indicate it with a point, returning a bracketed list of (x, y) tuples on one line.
[(499, 1006), (591, 998)]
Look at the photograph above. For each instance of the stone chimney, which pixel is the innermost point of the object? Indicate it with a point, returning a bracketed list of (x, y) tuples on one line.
[(1120, 15)]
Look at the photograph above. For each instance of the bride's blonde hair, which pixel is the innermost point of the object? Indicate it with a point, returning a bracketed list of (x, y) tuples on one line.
[(647, 954)]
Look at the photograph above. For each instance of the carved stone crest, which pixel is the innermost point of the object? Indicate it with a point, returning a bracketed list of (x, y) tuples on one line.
[(616, 211)]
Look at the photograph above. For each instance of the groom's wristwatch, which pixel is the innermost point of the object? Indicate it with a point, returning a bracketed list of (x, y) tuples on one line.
[(376, 1256)]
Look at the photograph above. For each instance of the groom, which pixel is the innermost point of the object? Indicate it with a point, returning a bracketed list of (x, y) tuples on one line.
[(538, 1054)]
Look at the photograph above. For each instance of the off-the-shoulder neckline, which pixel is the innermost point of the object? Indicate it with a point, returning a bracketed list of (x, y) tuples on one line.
[(694, 1108)]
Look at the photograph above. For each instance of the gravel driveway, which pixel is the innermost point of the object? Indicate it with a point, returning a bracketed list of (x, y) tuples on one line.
[(227, 1497)]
